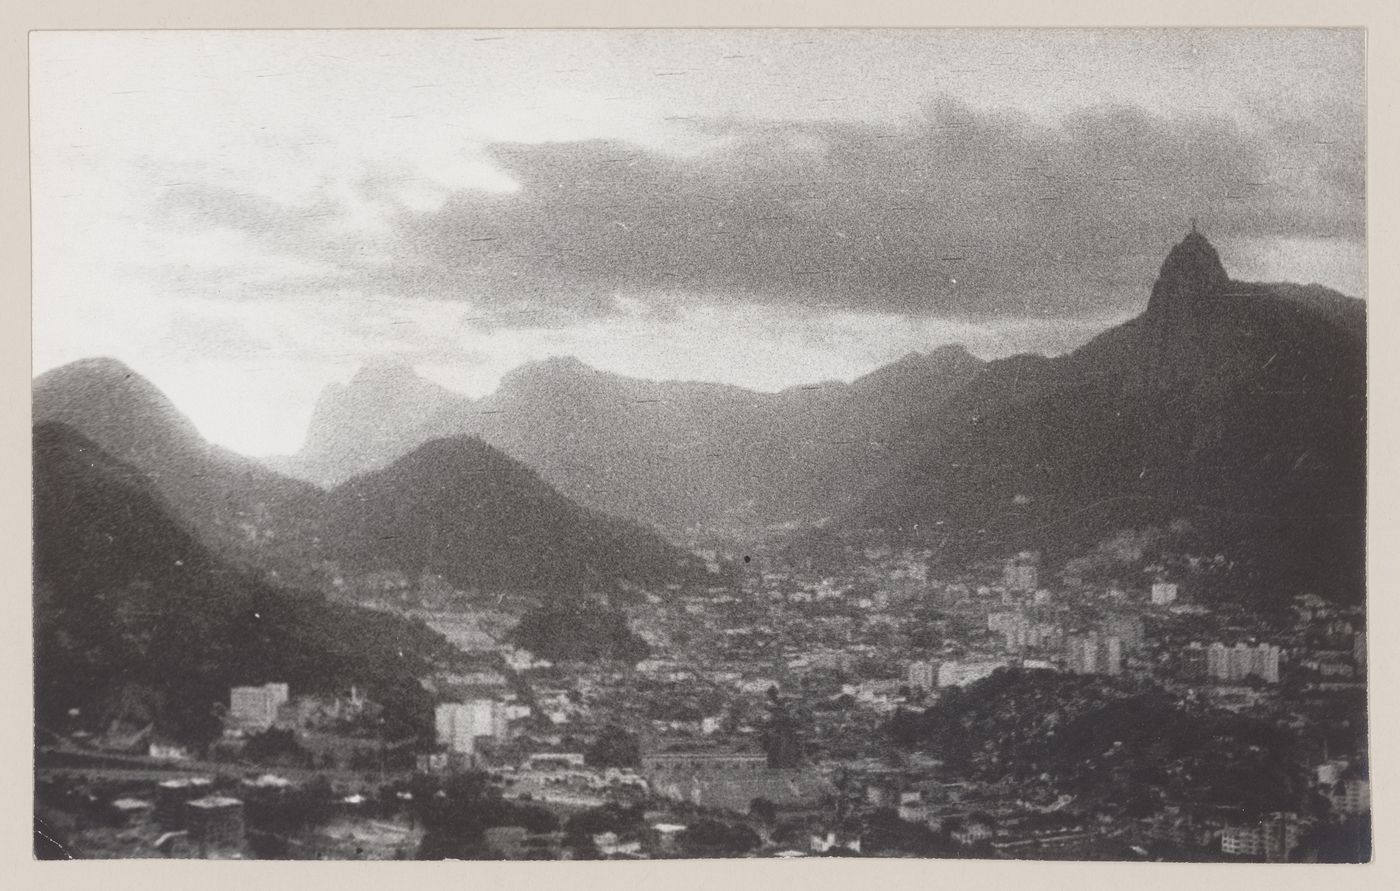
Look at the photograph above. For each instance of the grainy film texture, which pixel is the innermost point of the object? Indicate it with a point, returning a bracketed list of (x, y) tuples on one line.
[(676, 444)]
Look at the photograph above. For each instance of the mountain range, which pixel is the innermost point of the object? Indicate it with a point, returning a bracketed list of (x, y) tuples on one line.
[(689, 458), (1238, 407), (453, 507)]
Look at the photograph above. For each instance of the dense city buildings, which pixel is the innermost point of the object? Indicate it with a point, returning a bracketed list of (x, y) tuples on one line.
[(567, 444), (757, 711)]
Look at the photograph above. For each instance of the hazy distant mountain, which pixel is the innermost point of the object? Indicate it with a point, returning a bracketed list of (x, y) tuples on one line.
[(683, 456), (136, 619), (665, 453), (461, 509), (690, 456), (232, 502), (381, 415), (1241, 407), (485, 519)]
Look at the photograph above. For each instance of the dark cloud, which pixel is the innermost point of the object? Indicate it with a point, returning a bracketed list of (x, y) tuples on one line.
[(954, 214)]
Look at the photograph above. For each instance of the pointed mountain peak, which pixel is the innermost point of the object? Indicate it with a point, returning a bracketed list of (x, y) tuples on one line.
[(378, 415), (1192, 273)]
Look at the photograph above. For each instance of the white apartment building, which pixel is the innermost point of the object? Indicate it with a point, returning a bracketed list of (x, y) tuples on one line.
[(960, 674), (255, 708), (461, 724)]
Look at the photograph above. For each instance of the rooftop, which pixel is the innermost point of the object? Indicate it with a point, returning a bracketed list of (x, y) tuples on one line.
[(213, 802)]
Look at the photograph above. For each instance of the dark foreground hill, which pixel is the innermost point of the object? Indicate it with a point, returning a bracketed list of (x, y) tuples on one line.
[(1095, 738), (1238, 407), (135, 619), (232, 503), (462, 510)]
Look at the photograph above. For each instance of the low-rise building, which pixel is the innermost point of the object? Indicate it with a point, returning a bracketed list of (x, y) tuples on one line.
[(215, 821), (922, 675), (1164, 593), (835, 841), (1241, 661), (255, 708), (610, 844), (960, 674), (972, 832)]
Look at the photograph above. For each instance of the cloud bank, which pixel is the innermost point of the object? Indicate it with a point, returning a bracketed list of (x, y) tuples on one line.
[(953, 214)]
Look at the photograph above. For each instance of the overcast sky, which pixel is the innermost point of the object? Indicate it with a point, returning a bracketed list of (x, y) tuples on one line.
[(244, 217)]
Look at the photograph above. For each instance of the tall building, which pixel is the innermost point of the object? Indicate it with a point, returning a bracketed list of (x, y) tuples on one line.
[(1020, 638), (255, 708), (922, 675), (1271, 838), (461, 724), (1082, 653), (1260, 661), (1218, 661), (1112, 655), (1094, 653), (1163, 593), (1021, 632)]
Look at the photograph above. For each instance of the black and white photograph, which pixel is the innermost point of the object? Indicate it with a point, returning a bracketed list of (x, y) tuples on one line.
[(665, 444)]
